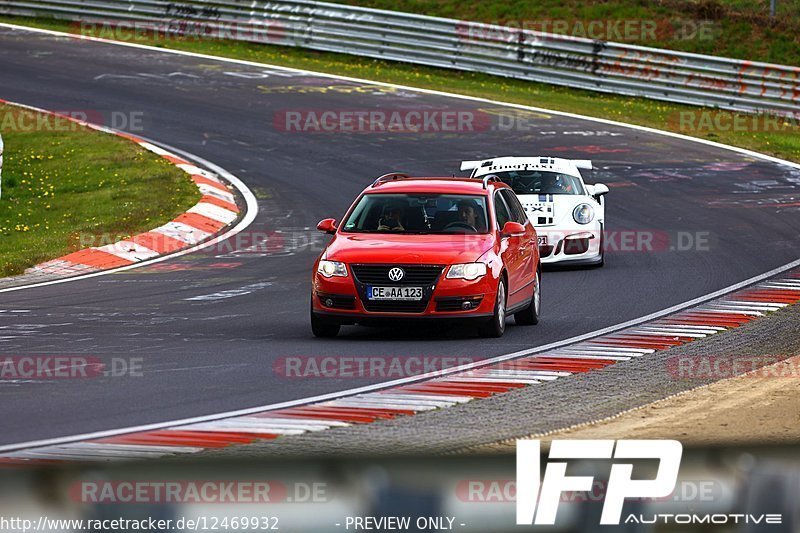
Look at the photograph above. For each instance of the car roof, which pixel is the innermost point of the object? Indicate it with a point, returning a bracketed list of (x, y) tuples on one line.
[(439, 185)]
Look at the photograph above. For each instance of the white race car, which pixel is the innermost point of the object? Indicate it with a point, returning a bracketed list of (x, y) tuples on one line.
[(568, 214)]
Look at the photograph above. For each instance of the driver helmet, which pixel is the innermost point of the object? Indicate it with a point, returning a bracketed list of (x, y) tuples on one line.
[(558, 183)]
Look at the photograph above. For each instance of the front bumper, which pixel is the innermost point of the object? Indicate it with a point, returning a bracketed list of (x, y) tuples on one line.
[(572, 246), (345, 298)]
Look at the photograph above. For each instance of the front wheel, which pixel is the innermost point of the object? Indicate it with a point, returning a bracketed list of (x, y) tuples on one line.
[(496, 326), (323, 328), (530, 315)]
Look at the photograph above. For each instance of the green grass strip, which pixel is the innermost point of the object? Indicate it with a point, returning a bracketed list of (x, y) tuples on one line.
[(67, 187)]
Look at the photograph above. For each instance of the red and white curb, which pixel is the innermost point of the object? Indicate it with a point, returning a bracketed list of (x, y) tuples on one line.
[(216, 209), (715, 316)]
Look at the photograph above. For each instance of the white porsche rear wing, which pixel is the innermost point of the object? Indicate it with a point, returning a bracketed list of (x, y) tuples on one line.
[(537, 161), (470, 165)]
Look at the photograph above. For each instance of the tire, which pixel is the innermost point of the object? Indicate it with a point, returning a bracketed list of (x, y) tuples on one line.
[(496, 326), (530, 315), (323, 328)]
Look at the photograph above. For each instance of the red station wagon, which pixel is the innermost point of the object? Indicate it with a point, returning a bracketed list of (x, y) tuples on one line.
[(428, 248)]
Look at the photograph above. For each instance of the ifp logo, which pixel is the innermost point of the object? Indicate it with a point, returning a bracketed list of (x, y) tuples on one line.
[(535, 506)]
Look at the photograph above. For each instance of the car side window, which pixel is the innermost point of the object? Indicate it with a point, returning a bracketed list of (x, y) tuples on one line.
[(517, 211), (501, 210)]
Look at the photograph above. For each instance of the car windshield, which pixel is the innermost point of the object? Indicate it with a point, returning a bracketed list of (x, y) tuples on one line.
[(541, 182), (418, 214)]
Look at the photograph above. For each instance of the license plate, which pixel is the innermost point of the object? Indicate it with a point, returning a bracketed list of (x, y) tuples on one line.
[(542, 240), (394, 293)]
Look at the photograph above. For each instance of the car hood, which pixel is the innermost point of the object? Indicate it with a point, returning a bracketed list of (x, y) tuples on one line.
[(408, 249)]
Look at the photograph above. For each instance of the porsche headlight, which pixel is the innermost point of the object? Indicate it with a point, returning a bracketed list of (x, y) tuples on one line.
[(583, 213), (467, 271), (332, 268)]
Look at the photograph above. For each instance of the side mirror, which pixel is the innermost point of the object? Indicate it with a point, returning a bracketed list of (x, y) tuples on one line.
[(513, 229), (327, 226), (598, 189)]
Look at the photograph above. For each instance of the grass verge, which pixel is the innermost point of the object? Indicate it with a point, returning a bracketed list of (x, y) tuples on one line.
[(66, 187)]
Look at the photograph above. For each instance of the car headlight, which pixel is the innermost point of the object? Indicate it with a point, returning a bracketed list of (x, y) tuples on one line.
[(332, 268), (467, 271), (583, 213)]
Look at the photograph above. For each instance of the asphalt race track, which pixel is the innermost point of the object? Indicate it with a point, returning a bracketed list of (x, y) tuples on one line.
[(203, 352)]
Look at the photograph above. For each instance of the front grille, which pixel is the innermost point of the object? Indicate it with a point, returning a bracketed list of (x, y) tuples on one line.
[(576, 246), (415, 275), (385, 306), (424, 276), (545, 250)]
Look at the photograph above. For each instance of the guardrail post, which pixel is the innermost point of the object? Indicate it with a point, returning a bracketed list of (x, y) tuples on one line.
[(597, 47)]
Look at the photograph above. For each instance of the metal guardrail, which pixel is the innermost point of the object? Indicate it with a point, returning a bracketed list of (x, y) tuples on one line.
[(524, 54)]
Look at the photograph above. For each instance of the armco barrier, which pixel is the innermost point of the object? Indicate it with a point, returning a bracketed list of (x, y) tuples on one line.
[(512, 52)]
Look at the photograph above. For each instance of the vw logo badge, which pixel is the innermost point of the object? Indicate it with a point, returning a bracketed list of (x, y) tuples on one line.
[(396, 274)]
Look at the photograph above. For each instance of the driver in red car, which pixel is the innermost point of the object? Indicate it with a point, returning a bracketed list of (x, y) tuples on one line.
[(467, 214), (391, 219)]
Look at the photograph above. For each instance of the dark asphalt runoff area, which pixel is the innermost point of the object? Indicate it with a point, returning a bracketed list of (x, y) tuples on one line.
[(208, 331)]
